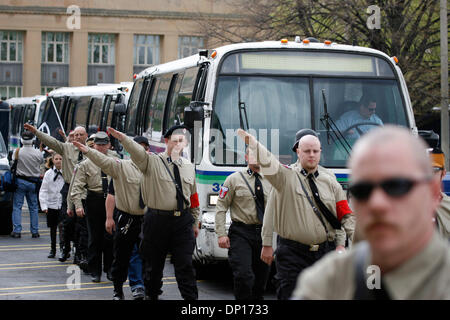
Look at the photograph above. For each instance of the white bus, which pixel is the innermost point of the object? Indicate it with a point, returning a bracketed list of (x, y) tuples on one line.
[(23, 110), (273, 89), (94, 107)]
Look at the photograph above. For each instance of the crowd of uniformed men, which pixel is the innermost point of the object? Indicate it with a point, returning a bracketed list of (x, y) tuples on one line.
[(150, 201)]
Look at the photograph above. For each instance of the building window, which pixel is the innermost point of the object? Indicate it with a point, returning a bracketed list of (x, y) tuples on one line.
[(7, 92), (55, 47), (146, 50), (45, 90), (11, 44), (101, 48), (188, 46)]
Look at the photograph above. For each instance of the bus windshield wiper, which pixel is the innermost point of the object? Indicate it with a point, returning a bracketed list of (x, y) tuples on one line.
[(332, 129), (242, 107)]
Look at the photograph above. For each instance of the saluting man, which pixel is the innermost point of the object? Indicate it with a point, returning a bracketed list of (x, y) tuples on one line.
[(245, 193), (307, 213), (71, 156), (169, 191), (127, 178), (92, 178)]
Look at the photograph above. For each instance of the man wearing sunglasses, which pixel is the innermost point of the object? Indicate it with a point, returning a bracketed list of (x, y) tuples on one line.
[(355, 123), (442, 219), (308, 211), (395, 197)]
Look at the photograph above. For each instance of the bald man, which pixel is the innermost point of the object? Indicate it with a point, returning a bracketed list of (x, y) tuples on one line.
[(395, 197), (307, 211)]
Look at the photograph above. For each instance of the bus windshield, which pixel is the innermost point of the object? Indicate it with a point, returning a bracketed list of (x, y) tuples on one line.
[(279, 93)]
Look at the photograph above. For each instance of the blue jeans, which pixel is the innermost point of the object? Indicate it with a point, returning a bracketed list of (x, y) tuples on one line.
[(25, 189), (135, 270)]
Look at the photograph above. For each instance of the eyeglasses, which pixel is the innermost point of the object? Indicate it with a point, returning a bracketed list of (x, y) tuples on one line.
[(372, 109), (394, 187)]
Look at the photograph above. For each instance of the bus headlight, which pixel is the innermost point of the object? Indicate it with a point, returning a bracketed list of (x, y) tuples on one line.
[(212, 199)]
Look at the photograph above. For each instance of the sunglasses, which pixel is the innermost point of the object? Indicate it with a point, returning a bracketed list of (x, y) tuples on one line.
[(394, 187)]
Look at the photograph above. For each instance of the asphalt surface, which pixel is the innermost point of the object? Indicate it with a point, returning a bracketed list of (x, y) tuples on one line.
[(27, 274)]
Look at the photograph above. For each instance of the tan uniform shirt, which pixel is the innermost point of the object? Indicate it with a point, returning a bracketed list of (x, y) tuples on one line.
[(88, 177), (70, 204), (425, 276), (67, 150), (127, 178), (290, 214), (443, 217), (236, 196), (157, 187)]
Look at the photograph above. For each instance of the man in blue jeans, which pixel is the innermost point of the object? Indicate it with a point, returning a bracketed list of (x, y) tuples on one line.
[(28, 172)]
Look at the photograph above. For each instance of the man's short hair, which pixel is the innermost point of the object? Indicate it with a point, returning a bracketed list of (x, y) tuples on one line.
[(366, 99)]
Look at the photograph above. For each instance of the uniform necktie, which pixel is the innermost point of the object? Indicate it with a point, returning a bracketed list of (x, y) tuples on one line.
[(57, 173), (80, 156), (104, 184), (176, 172), (259, 192), (323, 208)]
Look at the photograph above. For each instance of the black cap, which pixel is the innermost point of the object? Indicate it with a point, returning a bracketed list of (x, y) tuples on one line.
[(27, 135), (141, 139), (300, 134), (101, 137), (182, 130)]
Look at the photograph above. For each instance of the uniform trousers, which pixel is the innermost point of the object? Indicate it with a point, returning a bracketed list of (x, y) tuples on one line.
[(99, 241), (250, 273), (124, 242), (68, 223), (164, 232), (81, 236), (52, 222), (291, 258)]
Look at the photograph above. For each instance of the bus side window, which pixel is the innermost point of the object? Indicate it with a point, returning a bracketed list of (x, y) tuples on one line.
[(149, 109), (182, 96), (96, 105), (68, 125), (81, 111), (156, 114)]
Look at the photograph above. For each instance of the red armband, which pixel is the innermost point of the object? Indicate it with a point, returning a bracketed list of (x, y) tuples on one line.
[(194, 201), (342, 209)]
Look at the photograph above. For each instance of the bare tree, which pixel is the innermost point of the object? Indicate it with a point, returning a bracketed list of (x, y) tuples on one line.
[(409, 29)]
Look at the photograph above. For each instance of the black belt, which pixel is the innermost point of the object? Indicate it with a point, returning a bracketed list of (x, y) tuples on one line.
[(29, 179), (128, 215), (306, 247), (96, 195), (174, 213), (245, 225)]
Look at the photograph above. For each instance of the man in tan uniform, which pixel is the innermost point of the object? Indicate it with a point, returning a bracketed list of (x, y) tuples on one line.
[(245, 193), (71, 156), (395, 197), (127, 178), (267, 250), (442, 218), (169, 191), (305, 199), (92, 178)]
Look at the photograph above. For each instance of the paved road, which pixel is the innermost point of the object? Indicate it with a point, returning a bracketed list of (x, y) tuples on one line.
[(27, 274)]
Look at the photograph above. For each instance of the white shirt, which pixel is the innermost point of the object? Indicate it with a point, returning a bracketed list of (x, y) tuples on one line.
[(49, 194)]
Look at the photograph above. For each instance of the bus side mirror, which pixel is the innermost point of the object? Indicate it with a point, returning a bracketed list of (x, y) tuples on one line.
[(120, 108), (194, 112), (431, 138)]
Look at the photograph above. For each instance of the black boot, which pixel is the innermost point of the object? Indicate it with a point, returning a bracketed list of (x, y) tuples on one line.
[(52, 253), (118, 292)]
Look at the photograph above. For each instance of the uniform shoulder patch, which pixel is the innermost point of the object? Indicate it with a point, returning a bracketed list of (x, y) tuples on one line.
[(223, 192), (286, 166)]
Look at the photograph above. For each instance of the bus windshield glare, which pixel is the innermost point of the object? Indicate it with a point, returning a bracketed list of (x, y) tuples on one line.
[(280, 92)]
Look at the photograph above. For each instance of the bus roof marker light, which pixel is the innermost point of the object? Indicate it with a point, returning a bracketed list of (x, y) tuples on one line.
[(306, 41), (395, 59), (214, 54), (327, 42), (135, 76), (284, 41)]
